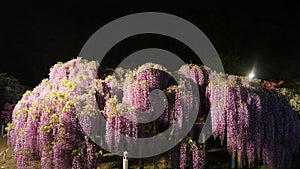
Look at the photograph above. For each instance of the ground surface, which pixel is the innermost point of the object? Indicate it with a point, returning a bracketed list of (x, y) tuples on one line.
[(214, 160), (8, 162)]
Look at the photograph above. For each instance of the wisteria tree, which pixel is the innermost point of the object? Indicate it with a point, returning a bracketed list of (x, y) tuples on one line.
[(52, 123)]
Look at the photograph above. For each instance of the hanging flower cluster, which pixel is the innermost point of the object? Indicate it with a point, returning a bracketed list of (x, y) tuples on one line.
[(187, 146)]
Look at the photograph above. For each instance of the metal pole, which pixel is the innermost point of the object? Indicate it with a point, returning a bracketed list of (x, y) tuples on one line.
[(125, 160), (232, 161)]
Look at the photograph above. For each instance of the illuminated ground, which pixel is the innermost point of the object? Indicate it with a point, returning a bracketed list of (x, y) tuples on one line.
[(214, 160)]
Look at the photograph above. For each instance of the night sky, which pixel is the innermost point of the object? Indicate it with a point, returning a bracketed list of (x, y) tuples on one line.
[(34, 36)]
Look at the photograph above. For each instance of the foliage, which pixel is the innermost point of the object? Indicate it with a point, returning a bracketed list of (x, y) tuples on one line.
[(10, 89), (292, 96), (7, 112), (293, 84), (273, 85), (10, 92)]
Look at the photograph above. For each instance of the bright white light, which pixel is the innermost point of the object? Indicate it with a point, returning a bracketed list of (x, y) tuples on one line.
[(251, 75)]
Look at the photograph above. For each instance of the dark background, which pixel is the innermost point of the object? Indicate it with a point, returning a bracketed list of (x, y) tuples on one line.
[(34, 36)]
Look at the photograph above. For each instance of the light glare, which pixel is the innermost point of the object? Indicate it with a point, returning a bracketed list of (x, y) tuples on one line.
[(251, 75)]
